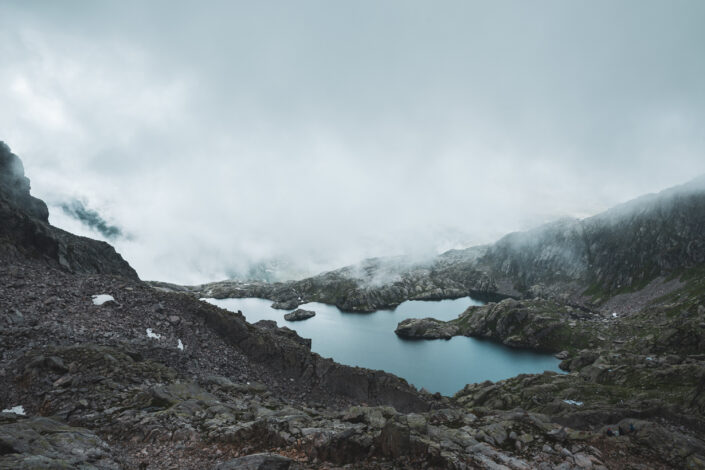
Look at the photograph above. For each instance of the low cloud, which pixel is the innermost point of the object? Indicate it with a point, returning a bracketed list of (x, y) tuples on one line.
[(237, 139), (91, 219)]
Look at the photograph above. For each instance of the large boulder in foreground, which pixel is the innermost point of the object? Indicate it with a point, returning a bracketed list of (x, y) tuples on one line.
[(43, 443), (425, 328)]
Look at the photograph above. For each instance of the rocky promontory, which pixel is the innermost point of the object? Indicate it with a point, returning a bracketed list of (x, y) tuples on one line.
[(542, 325), (25, 230)]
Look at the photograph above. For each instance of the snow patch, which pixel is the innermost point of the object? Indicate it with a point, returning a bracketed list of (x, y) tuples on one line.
[(151, 334), (180, 345), (102, 298), (573, 402), (18, 410)]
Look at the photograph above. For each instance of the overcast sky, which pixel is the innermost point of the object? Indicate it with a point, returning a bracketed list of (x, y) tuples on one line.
[(219, 134)]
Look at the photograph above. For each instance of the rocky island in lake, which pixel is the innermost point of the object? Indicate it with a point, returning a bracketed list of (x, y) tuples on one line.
[(299, 314)]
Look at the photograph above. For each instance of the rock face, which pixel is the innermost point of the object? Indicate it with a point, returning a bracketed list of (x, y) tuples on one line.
[(619, 250), (14, 186), (34, 443), (425, 328), (24, 227), (299, 314), (542, 325)]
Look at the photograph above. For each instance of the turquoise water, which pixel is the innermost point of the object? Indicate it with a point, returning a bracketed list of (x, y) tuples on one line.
[(368, 340)]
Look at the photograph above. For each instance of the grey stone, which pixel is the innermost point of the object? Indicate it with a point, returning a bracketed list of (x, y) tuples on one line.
[(299, 314)]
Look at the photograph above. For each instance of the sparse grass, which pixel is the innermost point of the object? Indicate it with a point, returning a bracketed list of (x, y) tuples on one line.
[(599, 293)]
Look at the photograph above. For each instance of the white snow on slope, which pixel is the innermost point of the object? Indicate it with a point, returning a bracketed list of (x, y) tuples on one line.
[(151, 334), (102, 298), (573, 402), (18, 410)]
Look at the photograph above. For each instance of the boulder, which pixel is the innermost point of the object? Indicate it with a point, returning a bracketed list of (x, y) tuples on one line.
[(299, 314), (287, 304), (37, 443), (425, 328)]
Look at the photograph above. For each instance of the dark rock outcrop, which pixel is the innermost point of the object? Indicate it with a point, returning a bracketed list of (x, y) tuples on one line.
[(24, 227), (619, 250), (542, 325), (325, 375), (14, 186), (425, 328), (537, 324), (299, 314), (283, 331), (44, 443)]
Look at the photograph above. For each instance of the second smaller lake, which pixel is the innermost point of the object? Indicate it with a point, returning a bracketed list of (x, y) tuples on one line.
[(368, 340)]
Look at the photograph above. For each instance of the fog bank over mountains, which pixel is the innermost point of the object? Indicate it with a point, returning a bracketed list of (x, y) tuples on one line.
[(230, 139)]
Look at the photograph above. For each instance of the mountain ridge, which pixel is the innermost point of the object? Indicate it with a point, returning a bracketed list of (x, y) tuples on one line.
[(587, 260)]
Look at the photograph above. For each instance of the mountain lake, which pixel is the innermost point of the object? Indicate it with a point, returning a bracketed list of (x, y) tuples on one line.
[(368, 340)]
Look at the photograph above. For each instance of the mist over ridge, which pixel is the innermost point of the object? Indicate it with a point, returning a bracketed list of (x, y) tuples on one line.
[(245, 141)]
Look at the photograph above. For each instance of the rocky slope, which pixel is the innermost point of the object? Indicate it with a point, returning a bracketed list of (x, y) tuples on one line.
[(160, 380), (641, 368)]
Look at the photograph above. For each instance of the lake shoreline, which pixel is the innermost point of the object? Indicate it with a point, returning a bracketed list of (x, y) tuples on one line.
[(369, 341)]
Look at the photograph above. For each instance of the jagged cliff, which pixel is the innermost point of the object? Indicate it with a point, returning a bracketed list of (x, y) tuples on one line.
[(25, 229), (621, 249)]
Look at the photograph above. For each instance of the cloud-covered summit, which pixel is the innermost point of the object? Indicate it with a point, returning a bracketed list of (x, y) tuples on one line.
[(226, 135)]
